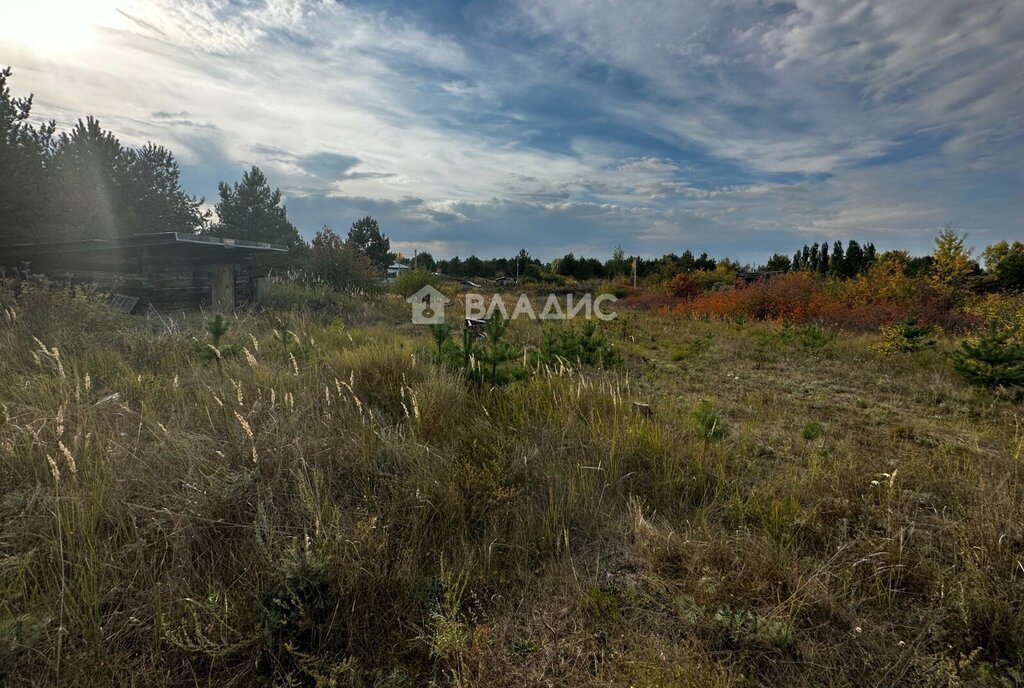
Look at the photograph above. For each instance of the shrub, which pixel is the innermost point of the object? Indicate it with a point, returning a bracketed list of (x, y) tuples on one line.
[(341, 265), (297, 292), (617, 288), (683, 285), (1007, 309), (883, 297), (411, 281)]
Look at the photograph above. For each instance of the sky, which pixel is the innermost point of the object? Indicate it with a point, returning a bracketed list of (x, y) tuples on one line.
[(734, 127)]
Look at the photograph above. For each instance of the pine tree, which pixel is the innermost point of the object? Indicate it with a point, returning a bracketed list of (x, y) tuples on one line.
[(837, 266), (869, 255), (251, 210), (89, 172), (366, 236), (854, 260), (84, 183), (155, 201), (25, 154), (994, 360), (214, 350)]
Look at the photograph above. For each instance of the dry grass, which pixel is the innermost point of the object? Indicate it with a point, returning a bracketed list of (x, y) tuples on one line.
[(345, 512)]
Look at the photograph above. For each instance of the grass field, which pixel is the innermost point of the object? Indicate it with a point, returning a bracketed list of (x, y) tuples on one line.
[(339, 509)]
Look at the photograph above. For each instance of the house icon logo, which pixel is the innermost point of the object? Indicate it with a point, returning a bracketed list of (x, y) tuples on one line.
[(428, 306)]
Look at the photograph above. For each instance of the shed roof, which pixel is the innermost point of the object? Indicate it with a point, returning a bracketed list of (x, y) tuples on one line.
[(193, 244)]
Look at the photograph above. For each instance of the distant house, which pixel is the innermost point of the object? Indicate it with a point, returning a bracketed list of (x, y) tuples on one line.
[(166, 270), (756, 275), (394, 270)]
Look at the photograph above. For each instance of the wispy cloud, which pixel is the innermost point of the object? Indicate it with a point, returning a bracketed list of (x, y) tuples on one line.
[(736, 126)]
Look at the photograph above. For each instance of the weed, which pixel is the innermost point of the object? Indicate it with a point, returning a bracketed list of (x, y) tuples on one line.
[(812, 430)]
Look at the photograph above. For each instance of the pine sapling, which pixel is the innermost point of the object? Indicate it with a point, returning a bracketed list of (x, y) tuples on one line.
[(214, 350), (994, 360), (908, 336)]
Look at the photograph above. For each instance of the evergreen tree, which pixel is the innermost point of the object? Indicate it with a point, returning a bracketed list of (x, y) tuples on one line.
[(366, 236), (778, 262), (908, 336), (89, 173), (805, 258), (704, 263), (814, 257), (474, 267), (837, 267), (798, 260), (994, 360), (853, 263), (156, 202), (869, 255), (25, 153), (823, 264), (566, 265), (251, 210), (425, 261), (687, 261)]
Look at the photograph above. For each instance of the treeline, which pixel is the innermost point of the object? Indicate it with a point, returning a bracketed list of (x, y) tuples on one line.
[(573, 267), (83, 184), (848, 262)]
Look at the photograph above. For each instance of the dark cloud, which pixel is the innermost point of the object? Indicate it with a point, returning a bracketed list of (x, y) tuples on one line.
[(328, 165)]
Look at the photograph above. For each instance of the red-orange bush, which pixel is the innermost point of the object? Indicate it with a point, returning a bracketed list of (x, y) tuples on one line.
[(786, 296), (882, 297), (683, 285)]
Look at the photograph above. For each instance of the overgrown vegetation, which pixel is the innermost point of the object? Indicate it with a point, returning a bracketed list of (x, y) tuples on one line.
[(780, 507)]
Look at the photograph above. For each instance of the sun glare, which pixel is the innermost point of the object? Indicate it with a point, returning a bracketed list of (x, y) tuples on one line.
[(57, 25)]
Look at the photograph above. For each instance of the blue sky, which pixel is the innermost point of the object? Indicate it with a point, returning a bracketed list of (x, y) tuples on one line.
[(733, 127)]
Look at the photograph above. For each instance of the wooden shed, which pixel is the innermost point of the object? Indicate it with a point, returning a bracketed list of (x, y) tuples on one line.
[(166, 270)]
